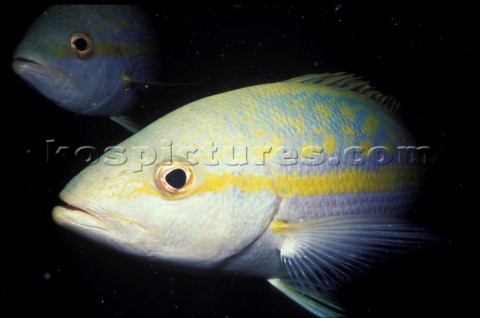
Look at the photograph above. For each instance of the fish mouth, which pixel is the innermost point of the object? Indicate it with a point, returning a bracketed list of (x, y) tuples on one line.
[(22, 59), (21, 64), (78, 215), (95, 222)]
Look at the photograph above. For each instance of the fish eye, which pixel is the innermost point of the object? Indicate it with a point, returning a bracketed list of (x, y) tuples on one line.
[(82, 44), (174, 178)]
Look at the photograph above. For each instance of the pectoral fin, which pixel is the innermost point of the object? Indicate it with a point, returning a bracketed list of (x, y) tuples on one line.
[(320, 256), (313, 301)]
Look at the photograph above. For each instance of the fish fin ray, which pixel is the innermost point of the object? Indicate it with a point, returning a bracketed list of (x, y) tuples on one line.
[(127, 122), (317, 304), (351, 82), (320, 256)]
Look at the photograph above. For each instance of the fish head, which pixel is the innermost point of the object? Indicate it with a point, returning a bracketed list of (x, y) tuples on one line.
[(80, 56), (149, 196)]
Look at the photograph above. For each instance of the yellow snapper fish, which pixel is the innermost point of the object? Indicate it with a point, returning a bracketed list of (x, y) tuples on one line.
[(298, 182)]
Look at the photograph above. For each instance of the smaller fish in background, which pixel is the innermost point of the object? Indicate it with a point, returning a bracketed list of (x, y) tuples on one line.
[(89, 59)]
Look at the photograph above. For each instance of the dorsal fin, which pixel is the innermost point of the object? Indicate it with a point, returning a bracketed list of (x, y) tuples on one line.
[(351, 82)]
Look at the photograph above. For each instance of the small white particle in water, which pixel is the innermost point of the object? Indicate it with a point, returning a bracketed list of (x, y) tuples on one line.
[(47, 276), (102, 301), (315, 63), (94, 104), (146, 86), (28, 151)]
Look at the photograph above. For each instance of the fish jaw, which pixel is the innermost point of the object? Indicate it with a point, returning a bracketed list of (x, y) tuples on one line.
[(26, 67), (96, 223), (78, 220), (44, 78), (37, 73), (64, 89)]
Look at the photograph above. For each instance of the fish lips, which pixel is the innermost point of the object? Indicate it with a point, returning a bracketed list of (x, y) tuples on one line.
[(49, 82), (27, 67), (80, 217), (56, 85), (95, 222)]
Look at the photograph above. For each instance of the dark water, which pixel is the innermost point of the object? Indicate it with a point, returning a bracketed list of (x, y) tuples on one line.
[(424, 55)]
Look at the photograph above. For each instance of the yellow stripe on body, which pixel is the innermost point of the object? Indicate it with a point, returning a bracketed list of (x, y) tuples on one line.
[(287, 185), (246, 182), (107, 48)]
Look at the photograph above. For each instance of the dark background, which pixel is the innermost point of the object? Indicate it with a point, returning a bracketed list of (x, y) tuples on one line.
[(423, 54)]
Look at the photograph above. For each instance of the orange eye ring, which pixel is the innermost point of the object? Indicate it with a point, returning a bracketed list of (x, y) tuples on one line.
[(82, 44), (174, 177)]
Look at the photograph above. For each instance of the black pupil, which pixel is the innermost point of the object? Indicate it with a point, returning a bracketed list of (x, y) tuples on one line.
[(81, 44), (176, 178)]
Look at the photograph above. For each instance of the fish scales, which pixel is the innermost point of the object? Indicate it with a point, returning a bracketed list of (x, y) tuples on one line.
[(296, 182)]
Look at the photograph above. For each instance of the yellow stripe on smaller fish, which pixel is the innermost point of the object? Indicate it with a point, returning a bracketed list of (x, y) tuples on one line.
[(113, 49)]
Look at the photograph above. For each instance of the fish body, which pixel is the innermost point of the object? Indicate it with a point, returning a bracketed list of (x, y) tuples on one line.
[(82, 57), (263, 182)]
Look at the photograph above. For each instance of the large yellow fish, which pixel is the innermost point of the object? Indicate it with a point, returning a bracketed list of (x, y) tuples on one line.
[(303, 183)]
